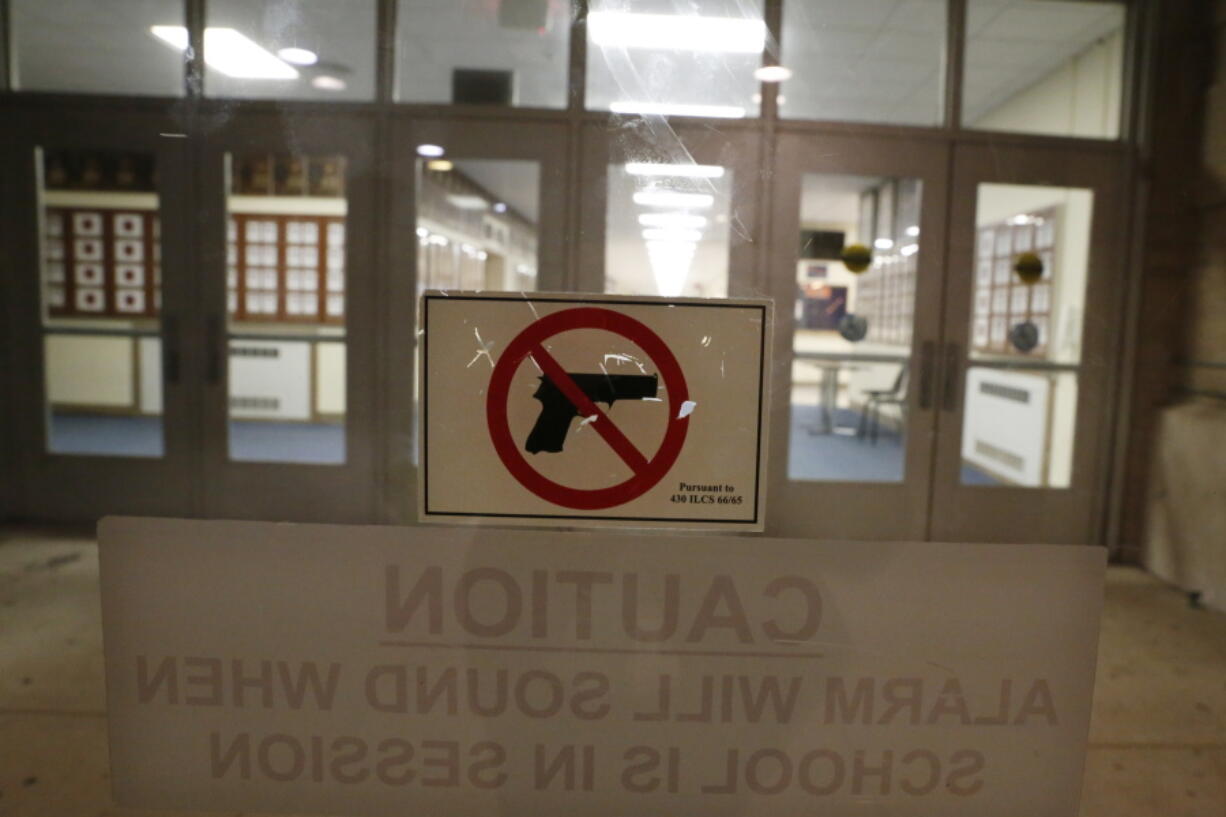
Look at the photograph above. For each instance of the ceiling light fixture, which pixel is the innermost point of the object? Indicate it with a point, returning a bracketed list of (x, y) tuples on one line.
[(229, 52), (669, 109), (441, 165), (298, 56), (671, 198), (690, 171), (883, 244), (326, 82), (912, 231), (676, 32), (671, 234), (909, 249), (672, 220), (430, 151), (467, 202), (500, 207), (772, 73)]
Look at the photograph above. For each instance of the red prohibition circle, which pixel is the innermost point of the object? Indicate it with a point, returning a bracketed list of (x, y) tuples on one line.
[(528, 342)]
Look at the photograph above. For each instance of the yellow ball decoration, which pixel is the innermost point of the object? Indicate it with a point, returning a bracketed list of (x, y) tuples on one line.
[(857, 257), (1029, 267)]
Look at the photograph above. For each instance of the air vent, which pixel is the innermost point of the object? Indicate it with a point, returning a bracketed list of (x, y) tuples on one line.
[(1005, 392), (254, 351), (1006, 458), (255, 403)]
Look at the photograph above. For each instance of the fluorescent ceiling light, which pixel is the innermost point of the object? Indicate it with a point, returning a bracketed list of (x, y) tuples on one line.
[(883, 243), (669, 109), (328, 83), (298, 56), (671, 198), (909, 249), (441, 165), (676, 32), (688, 171), (670, 265), (912, 231), (430, 151), (772, 73), (672, 220), (230, 52), (500, 207), (467, 202), (671, 234)]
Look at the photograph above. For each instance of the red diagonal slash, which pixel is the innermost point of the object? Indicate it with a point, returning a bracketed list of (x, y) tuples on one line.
[(603, 425)]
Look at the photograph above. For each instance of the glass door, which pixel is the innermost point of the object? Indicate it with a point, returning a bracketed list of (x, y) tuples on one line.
[(97, 253), (856, 273), (1032, 322), (476, 205), (287, 232)]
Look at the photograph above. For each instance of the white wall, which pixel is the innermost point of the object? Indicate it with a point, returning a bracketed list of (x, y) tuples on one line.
[(1079, 98)]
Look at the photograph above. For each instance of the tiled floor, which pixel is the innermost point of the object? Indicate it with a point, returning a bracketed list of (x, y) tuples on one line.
[(1157, 742)]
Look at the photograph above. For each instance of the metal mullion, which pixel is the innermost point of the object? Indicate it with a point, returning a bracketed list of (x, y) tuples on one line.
[(576, 102), (8, 62), (772, 16), (955, 60), (385, 52), (194, 15)]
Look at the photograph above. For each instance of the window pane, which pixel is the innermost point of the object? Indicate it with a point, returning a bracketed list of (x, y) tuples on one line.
[(852, 346), (1044, 67), (667, 229), (101, 298), (476, 230), (1031, 264), (285, 294), (645, 56), (864, 61), (290, 49), (86, 46), (513, 52)]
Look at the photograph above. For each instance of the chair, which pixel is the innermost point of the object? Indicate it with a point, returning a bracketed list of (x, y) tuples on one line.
[(896, 395)]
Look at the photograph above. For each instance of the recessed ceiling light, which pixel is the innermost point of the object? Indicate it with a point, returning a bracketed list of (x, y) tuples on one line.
[(671, 198), (670, 234), (690, 171), (229, 52), (772, 73), (672, 220), (676, 32), (298, 56), (913, 230), (441, 165), (500, 207), (667, 109), (883, 244), (430, 151), (326, 82)]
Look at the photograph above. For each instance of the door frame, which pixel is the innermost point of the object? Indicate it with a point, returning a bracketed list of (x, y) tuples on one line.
[(84, 487), (995, 513), (856, 510)]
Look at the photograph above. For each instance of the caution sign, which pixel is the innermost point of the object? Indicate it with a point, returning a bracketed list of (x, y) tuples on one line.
[(540, 409)]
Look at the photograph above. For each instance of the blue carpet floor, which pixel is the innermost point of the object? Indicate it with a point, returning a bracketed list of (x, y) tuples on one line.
[(826, 457), (841, 457), (313, 443)]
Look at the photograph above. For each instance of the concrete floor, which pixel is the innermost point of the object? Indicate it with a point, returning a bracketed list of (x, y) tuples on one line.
[(1157, 742)]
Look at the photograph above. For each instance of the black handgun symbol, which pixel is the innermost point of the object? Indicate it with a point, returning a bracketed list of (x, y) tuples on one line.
[(557, 411)]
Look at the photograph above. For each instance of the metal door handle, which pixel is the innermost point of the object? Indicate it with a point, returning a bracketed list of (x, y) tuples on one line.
[(927, 353), (212, 341), (953, 367), (170, 350)]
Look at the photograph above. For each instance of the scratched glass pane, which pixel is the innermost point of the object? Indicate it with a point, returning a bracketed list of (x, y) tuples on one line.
[(667, 229), (476, 230), (851, 376), (665, 58)]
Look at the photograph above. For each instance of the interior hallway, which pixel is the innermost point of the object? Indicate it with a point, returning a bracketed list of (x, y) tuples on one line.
[(1157, 741)]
